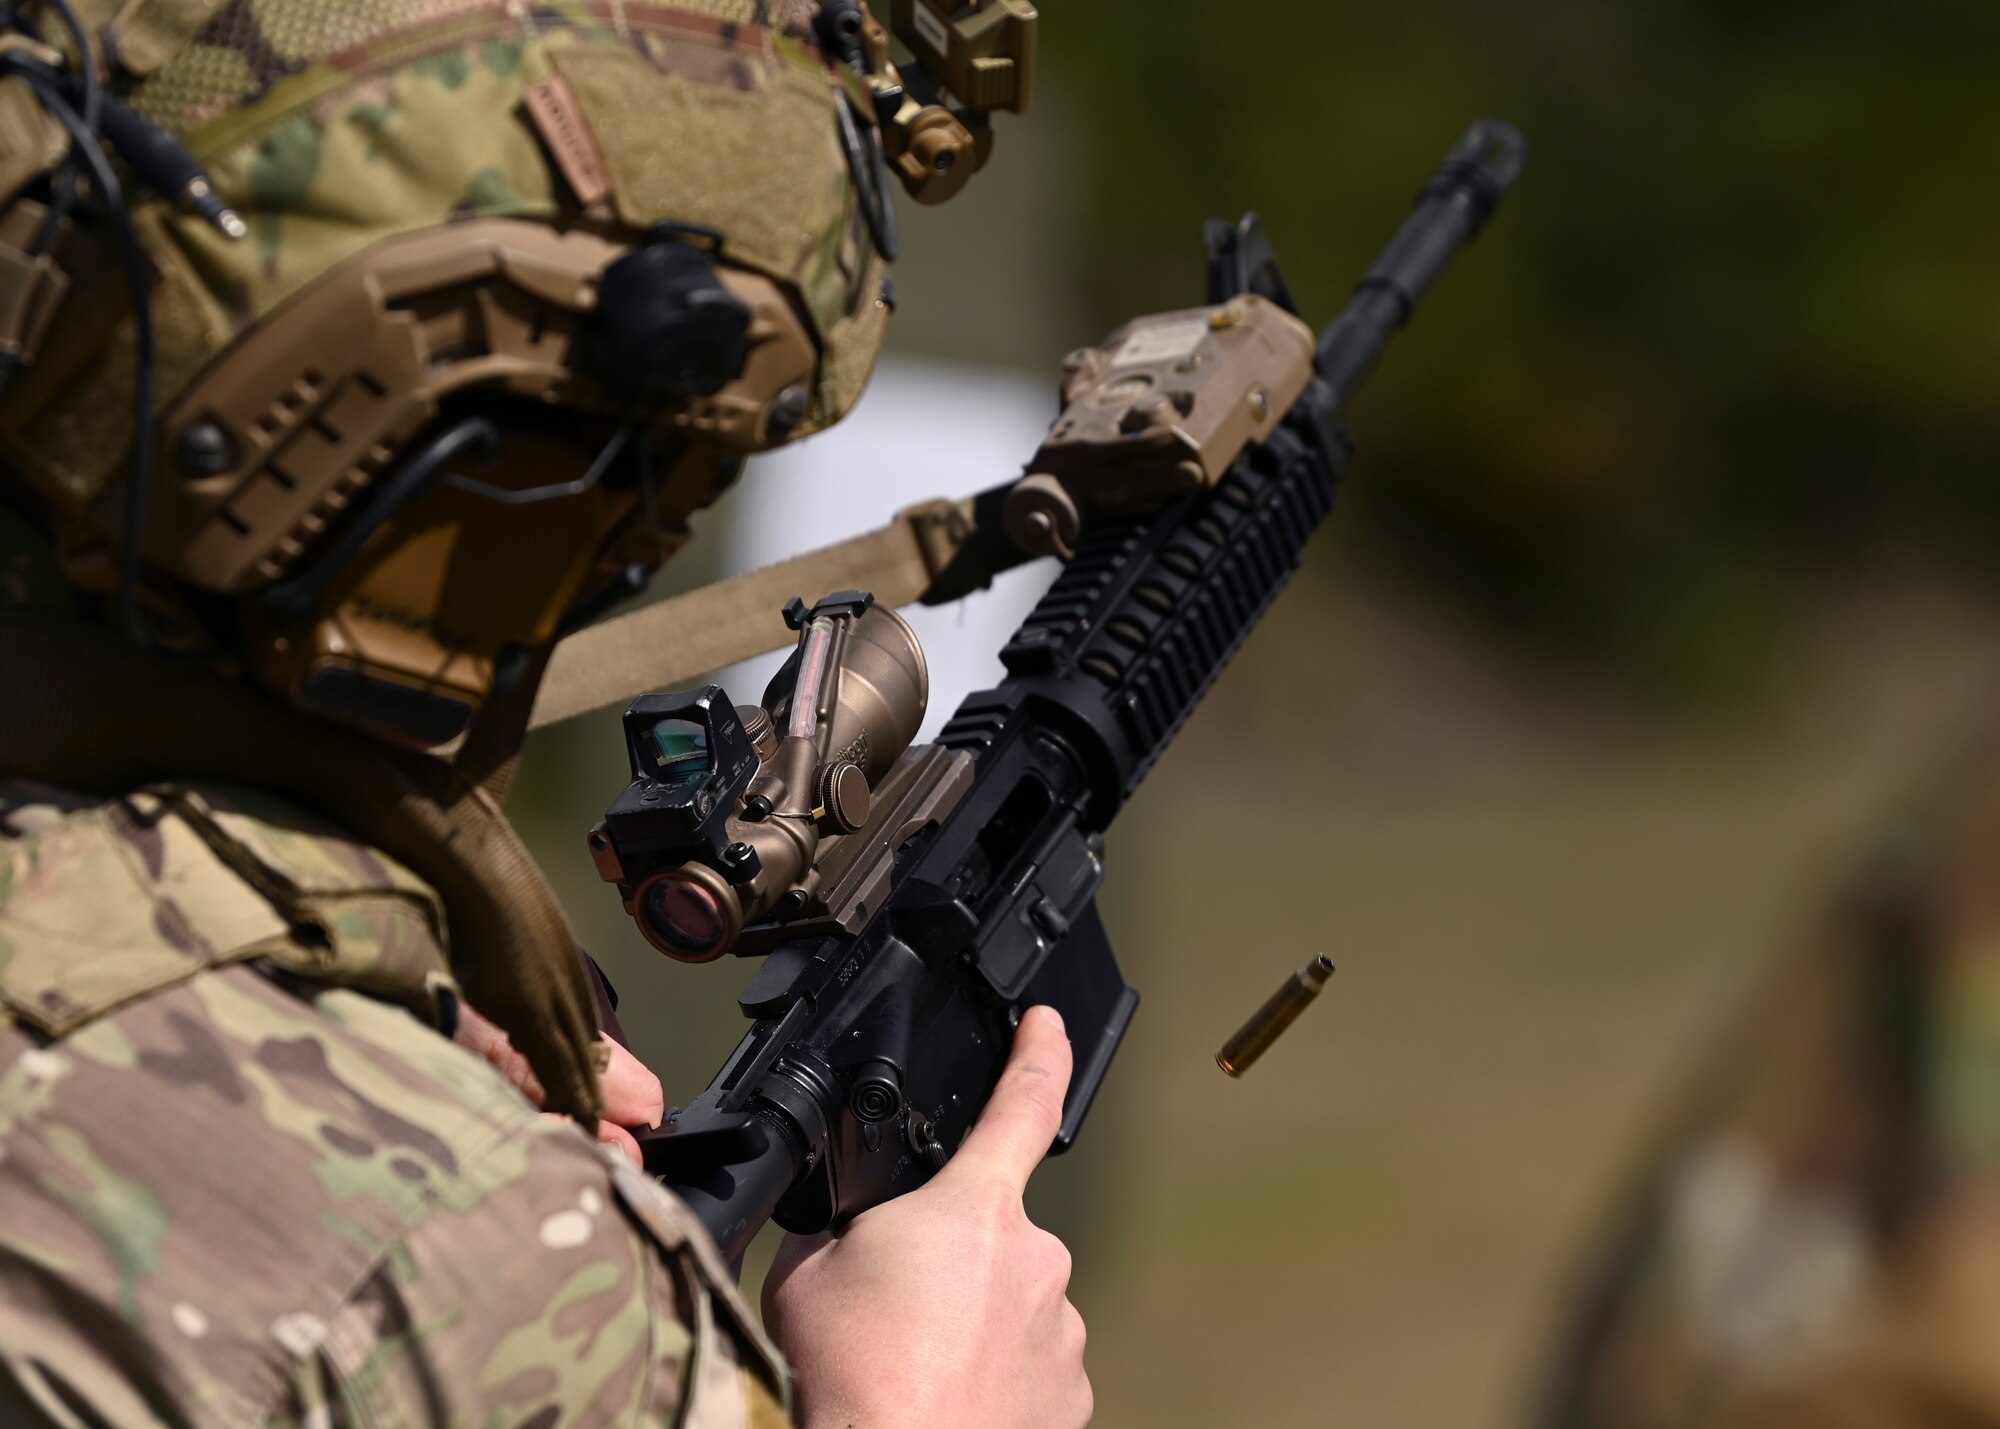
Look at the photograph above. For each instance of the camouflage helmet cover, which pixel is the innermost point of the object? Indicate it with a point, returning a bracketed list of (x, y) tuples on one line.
[(434, 189)]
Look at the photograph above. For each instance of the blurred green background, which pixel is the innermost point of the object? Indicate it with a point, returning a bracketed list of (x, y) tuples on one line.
[(1663, 570)]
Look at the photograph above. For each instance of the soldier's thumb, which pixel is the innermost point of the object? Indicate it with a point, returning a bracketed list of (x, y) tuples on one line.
[(1021, 1119)]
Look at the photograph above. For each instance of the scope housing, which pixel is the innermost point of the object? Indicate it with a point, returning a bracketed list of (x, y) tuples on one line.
[(730, 809)]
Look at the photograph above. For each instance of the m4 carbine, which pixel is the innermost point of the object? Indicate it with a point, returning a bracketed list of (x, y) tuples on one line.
[(910, 904)]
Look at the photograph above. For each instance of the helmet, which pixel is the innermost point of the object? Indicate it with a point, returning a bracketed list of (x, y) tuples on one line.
[(465, 305)]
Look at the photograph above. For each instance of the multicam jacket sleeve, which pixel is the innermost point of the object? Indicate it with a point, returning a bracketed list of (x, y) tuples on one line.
[(229, 1205), (243, 1198)]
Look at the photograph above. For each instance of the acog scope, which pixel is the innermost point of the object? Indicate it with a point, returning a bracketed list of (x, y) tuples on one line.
[(731, 809)]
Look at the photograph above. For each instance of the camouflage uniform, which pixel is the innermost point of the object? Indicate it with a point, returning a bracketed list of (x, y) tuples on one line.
[(244, 1180), (1818, 1241)]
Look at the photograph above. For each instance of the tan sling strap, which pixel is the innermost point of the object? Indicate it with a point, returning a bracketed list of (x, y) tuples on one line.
[(675, 641), (84, 710)]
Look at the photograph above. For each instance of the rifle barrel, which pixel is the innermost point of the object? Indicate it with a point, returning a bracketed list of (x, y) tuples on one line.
[(1450, 211)]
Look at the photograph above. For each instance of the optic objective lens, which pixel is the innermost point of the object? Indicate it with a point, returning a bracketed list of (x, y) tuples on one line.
[(685, 919)]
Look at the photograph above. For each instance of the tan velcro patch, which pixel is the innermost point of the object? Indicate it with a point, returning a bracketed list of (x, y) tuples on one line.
[(553, 110)]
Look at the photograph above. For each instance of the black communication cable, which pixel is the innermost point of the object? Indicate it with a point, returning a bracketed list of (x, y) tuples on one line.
[(613, 448), (469, 436), (870, 169), (86, 62), (63, 199), (159, 159), (841, 25), (139, 466)]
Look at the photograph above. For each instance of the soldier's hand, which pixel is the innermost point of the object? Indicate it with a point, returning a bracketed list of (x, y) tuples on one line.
[(632, 1095), (946, 1308)]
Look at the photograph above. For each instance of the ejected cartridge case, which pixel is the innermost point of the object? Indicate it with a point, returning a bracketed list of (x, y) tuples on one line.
[(1255, 1037)]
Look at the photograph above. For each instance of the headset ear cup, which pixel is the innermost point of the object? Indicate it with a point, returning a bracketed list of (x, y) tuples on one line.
[(665, 328)]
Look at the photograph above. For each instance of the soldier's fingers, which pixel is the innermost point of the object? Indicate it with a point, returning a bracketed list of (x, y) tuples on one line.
[(610, 1133), (607, 1134), (477, 1034), (632, 1095), (1015, 1130)]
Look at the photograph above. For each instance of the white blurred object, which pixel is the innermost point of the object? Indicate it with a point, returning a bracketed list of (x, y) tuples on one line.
[(922, 429)]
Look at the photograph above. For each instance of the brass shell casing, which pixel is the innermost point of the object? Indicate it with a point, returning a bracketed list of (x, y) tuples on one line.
[(1268, 1022)]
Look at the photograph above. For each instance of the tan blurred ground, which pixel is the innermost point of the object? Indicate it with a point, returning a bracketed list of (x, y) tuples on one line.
[(1537, 910), (1538, 902)]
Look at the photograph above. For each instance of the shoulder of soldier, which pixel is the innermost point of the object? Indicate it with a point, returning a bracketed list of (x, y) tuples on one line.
[(103, 901), (237, 1195)]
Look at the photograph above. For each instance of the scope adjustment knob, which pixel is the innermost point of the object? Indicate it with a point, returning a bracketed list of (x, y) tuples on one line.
[(844, 797)]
